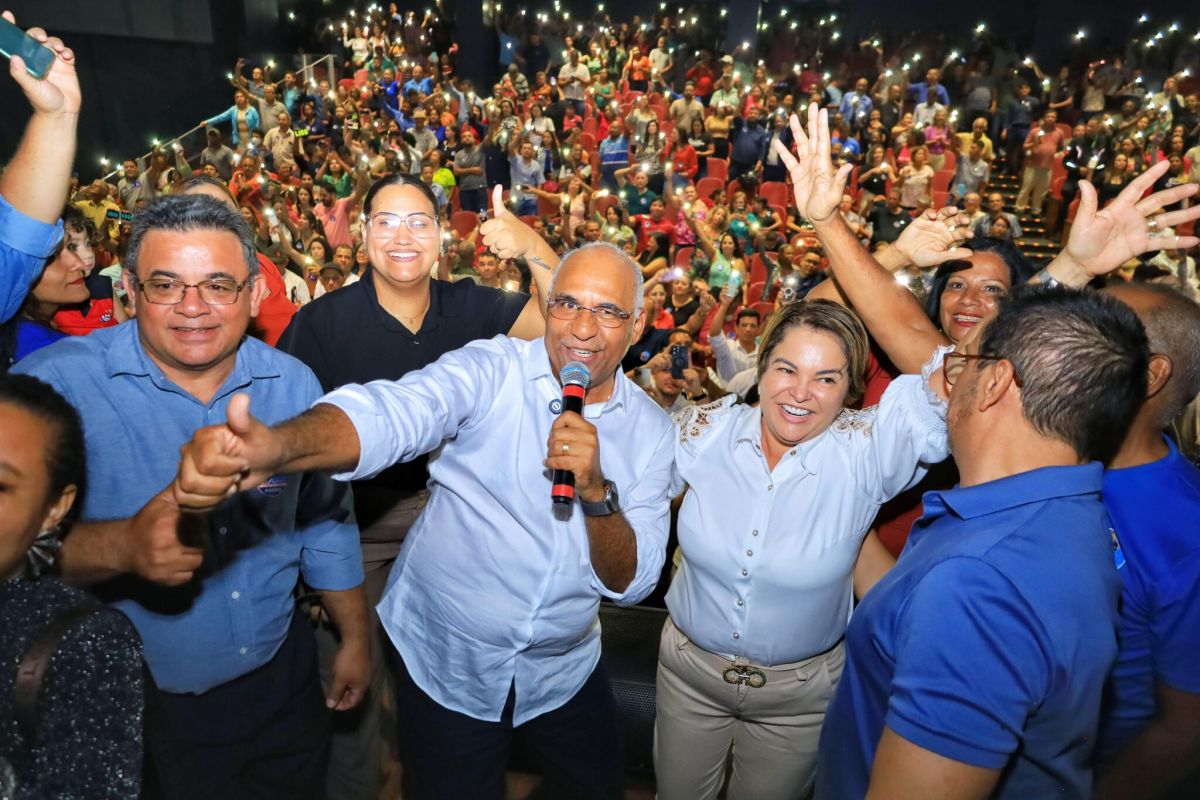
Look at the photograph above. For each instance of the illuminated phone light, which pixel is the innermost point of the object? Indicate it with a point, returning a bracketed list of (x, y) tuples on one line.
[(103, 161)]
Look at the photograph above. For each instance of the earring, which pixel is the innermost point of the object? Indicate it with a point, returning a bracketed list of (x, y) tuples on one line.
[(42, 553)]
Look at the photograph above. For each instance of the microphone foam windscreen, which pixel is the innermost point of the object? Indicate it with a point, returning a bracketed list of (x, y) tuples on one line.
[(575, 374)]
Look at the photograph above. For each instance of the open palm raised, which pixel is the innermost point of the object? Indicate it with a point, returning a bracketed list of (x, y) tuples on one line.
[(817, 185), (1102, 240)]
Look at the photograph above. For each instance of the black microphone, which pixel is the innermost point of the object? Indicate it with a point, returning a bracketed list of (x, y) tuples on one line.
[(575, 379)]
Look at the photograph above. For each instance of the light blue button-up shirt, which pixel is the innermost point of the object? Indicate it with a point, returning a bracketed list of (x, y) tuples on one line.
[(25, 244), (768, 555), (491, 589), (235, 614)]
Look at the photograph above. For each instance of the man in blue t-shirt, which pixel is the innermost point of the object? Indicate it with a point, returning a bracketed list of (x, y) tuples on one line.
[(1150, 723), (975, 666)]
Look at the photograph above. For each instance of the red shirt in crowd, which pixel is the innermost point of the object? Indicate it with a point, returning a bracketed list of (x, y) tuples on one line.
[(684, 161), (275, 311), (646, 227)]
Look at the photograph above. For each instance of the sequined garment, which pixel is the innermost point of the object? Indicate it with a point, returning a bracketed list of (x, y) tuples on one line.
[(89, 741)]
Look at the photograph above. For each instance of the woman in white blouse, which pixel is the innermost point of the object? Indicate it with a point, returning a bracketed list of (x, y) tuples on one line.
[(752, 651)]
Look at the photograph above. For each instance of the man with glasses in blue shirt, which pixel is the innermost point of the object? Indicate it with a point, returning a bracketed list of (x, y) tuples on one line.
[(975, 666), (240, 709), (492, 604)]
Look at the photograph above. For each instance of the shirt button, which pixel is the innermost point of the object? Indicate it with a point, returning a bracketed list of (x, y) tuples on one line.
[(737, 635), (236, 595), (242, 650), (223, 530), (745, 572), (749, 552), (770, 487), (741, 602), (754, 533)]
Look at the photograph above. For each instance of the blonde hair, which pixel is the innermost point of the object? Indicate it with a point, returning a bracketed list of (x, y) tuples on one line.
[(824, 316)]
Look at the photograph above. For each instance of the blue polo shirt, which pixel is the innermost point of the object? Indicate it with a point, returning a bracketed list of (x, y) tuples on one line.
[(235, 614), (25, 244), (1155, 511), (989, 641), (920, 93), (614, 153)]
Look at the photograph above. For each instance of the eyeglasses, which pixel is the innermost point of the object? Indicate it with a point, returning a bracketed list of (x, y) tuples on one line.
[(420, 224), (955, 363), (568, 310), (168, 291)]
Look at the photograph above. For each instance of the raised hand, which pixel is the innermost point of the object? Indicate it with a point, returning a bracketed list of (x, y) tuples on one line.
[(221, 460), (1102, 240), (56, 93), (818, 186), (933, 237), (504, 233)]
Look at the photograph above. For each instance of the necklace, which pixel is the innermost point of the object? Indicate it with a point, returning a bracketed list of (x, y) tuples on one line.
[(418, 315)]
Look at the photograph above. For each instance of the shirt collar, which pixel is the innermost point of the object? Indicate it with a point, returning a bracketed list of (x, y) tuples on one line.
[(749, 430), (127, 356), (1034, 486), (537, 368)]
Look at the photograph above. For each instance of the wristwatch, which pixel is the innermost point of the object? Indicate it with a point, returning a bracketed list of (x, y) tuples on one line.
[(611, 503)]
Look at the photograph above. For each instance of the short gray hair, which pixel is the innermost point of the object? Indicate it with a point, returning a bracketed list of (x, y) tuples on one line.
[(611, 250), (189, 212)]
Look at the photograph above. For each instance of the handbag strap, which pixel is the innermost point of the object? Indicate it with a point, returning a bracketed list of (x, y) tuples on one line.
[(35, 662)]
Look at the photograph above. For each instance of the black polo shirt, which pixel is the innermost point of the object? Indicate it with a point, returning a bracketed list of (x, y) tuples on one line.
[(347, 337)]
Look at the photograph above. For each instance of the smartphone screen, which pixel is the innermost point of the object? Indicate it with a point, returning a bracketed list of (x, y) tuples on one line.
[(679, 360), (15, 42)]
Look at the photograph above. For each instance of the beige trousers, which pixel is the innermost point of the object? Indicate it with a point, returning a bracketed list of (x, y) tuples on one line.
[(771, 730), (1035, 182)]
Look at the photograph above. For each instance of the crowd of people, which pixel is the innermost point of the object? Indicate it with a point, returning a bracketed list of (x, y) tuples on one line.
[(281, 421)]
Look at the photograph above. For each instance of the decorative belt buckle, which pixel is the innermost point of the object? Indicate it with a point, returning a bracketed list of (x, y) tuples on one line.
[(750, 676)]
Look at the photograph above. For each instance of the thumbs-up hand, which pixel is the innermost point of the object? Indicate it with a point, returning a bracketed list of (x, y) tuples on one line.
[(221, 460), (504, 234)]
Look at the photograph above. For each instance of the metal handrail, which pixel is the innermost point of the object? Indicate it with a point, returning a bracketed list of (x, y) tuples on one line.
[(306, 70)]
